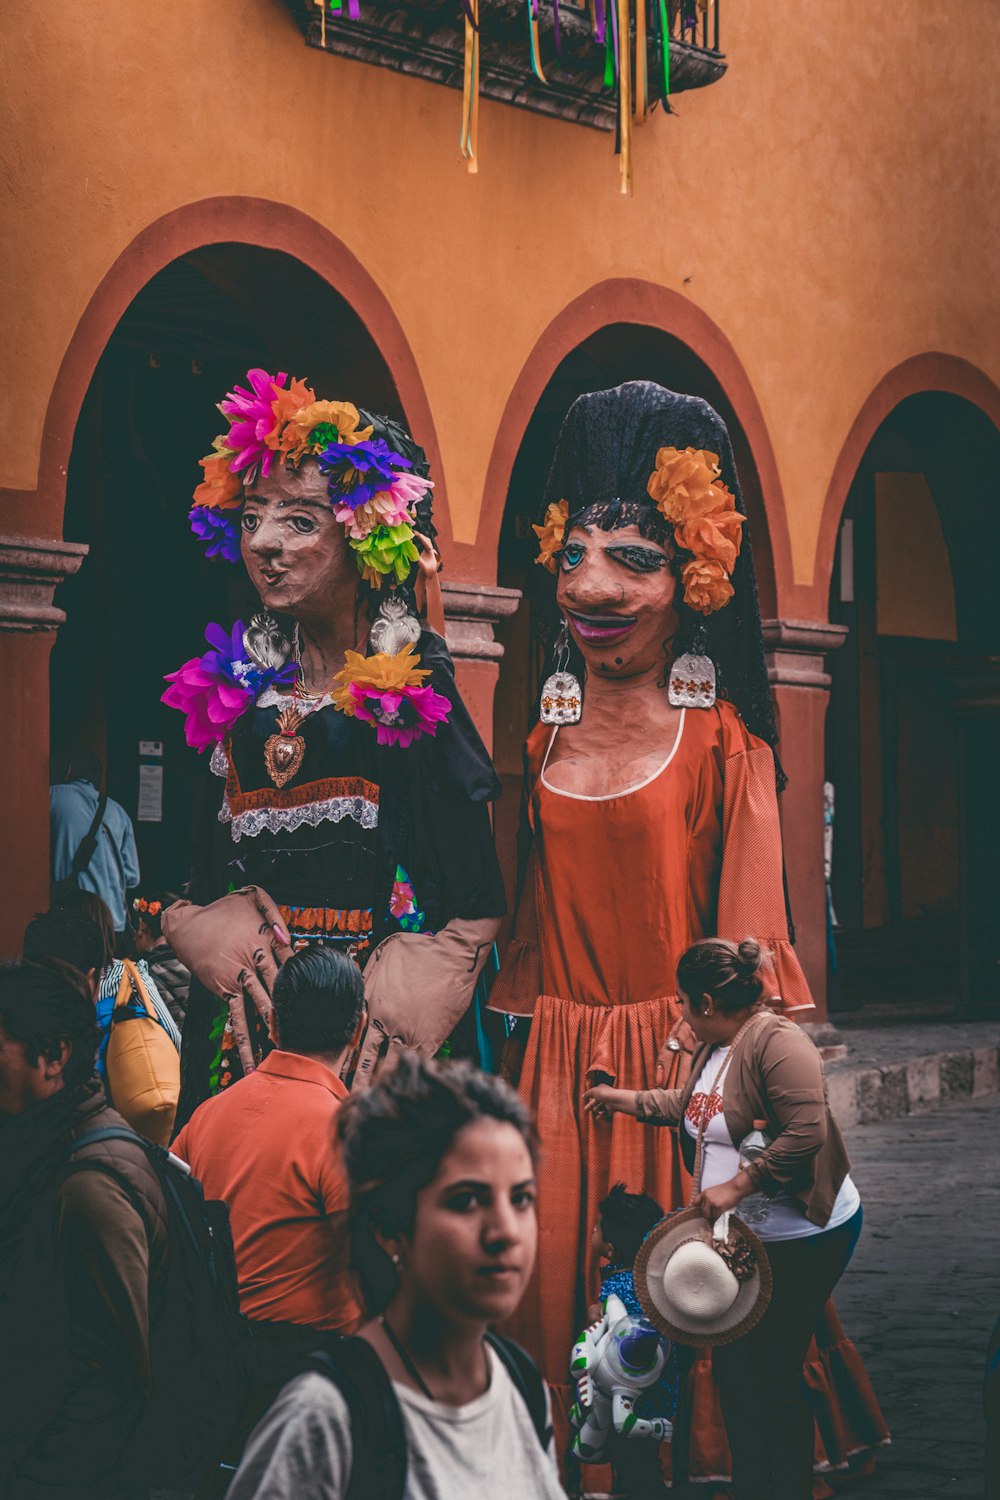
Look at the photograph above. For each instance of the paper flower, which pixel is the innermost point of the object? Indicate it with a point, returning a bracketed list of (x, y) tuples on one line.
[(287, 402), (387, 691), (706, 585), (683, 484), (392, 507), (318, 425), (252, 421), (214, 689), (218, 529), (389, 549), (550, 534), (220, 489), (717, 536), (360, 470)]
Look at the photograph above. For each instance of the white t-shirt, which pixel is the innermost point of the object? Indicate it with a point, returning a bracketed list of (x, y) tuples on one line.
[(485, 1450), (720, 1162)]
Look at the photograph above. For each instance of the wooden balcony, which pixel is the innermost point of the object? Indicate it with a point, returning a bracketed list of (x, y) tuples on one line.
[(427, 39)]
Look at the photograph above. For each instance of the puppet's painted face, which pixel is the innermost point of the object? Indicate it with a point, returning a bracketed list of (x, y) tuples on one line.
[(617, 591), (295, 550)]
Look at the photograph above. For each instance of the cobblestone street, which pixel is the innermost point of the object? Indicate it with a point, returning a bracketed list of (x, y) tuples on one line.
[(923, 1291)]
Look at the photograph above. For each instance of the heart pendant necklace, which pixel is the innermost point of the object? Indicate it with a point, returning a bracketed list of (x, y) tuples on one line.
[(284, 751)]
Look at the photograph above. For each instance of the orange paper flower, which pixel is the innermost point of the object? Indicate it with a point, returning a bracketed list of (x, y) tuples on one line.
[(294, 440), (706, 585), (387, 674), (684, 484), (220, 489), (550, 534), (287, 402), (716, 537)]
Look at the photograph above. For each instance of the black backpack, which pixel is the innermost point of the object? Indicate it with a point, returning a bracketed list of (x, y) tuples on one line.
[(201, 1346), (378, 1437)]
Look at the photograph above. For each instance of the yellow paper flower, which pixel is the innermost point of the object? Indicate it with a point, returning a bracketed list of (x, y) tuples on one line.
[(706, 585), (685, 484), (385, 673), (343, 416), (550, 534)]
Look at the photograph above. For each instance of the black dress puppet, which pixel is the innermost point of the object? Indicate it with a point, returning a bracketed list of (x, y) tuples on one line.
[(355, 786)]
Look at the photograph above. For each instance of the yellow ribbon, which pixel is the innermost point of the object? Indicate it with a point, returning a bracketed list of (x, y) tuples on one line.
[(625, 93), (469, 140), (322, 22)]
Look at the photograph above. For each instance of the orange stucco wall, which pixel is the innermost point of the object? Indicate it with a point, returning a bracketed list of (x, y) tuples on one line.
[(830, 206)]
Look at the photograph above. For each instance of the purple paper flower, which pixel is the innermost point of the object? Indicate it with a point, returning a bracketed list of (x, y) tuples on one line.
[(218, 529), (251, 414), (360, 470), (215, 689)]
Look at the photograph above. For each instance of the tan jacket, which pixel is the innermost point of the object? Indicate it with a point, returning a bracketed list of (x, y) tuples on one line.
[(776, 1074)]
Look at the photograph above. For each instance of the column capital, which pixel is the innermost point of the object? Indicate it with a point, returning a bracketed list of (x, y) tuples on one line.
[(30, 570), (471, 611), (976, 681), (796, 650)]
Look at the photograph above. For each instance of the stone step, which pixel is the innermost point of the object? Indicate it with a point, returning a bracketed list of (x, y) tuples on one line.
[(861, 1094)]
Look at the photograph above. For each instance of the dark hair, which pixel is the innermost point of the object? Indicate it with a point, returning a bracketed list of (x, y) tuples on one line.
[(70, 934), (153, 920), (728, 972), (318, 996), (96, 908), (394, 1138), (45, 1004), (76, 765), (626, 1219)]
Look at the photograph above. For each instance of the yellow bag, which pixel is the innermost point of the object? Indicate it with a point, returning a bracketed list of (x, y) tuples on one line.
[(143, 1065)]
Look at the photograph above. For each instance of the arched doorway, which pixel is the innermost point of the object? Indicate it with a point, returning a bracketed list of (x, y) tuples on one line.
[(139, 604), (912, 737), (617, 352)]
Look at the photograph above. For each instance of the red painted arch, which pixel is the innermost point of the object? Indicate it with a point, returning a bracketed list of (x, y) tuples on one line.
[(629, 300), (922, 372), (212, 221)]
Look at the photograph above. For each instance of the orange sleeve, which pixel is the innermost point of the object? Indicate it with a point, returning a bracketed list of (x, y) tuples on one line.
[(751, 888)]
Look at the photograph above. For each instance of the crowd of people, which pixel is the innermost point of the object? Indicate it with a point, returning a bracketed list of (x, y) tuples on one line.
[(455, 1282)]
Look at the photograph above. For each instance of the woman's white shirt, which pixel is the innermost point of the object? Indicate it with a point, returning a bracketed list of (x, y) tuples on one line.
[(485, 1450), (720, 1162)]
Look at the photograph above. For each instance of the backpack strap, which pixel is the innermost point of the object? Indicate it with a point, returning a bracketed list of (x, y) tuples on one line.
[(528, 1382), (87, 846), (378, 1437)]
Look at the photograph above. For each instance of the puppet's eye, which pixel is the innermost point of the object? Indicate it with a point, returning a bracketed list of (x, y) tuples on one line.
[(571, 556), (639, 559)]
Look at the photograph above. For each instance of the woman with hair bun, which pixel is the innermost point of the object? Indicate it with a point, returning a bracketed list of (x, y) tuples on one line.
[(440, 1161), (756, 1075)]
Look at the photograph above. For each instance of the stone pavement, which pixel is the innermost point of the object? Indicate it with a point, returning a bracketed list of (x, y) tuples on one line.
[(923, 1291), (888, 1072)]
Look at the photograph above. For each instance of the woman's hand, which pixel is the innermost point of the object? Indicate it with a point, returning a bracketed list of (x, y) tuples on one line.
[(602, 1101), (720, 1199), (428, 584)]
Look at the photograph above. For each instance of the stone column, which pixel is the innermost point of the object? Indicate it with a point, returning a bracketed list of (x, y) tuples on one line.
[(471, 611), (796, 668), (30, 570)]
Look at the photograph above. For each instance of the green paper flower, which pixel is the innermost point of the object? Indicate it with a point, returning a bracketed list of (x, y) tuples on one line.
[(387, 549)]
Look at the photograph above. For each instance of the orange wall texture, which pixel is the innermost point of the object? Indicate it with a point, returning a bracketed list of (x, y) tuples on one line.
[(830, 206)]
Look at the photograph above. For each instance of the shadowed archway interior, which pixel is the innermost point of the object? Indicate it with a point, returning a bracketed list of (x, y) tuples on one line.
[(139, 604)]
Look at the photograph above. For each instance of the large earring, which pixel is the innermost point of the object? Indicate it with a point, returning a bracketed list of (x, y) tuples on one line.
[(692, 676), (264, 641), (395, 627), (562, 695)]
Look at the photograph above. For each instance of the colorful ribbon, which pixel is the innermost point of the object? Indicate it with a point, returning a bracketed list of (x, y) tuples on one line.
[(469, 138), (625, 93), (536, 54)]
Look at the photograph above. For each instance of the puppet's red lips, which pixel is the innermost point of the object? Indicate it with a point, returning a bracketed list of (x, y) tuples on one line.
[(272, 575), (601, 629)]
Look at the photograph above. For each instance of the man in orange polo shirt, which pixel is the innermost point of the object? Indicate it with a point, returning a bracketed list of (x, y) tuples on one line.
[(266, 1145)]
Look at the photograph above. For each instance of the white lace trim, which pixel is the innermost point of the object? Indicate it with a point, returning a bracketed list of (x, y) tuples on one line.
[(284, 819), (219, 764), (272, 698)]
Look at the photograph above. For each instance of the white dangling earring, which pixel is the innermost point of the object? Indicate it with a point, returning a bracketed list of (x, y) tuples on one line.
[(562, 695), (692, 676)]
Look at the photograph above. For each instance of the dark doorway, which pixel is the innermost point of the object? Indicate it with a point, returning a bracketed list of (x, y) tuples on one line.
[(140, 603), (908, 730)]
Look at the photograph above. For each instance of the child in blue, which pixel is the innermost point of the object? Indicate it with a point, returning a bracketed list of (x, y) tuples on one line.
[(623, 1221)]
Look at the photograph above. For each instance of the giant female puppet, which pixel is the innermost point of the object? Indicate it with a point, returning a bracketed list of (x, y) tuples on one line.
[(651, 820), (354, 788)]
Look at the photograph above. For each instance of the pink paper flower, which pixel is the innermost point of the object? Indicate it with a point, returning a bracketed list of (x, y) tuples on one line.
[(253, 420), (210, 703), (400, 716)]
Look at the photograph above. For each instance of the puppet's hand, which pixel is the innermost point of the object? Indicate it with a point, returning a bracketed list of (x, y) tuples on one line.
[(417, 987)]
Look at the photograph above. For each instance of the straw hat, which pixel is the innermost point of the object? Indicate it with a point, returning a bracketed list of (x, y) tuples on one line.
[(687, 1290)]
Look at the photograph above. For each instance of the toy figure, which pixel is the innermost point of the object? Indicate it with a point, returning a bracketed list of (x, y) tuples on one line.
[(616, 1360)]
